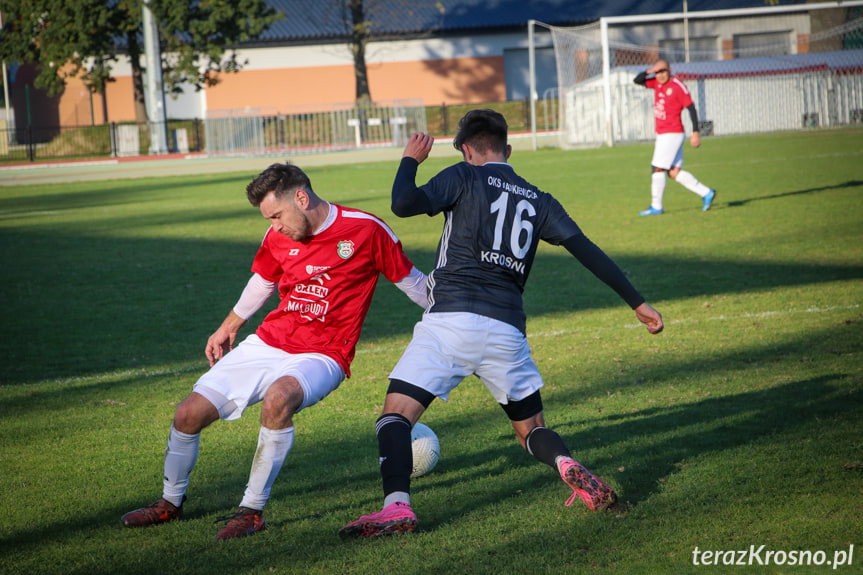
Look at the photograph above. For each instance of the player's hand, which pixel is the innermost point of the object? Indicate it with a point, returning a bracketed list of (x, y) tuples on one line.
[(652, 70), (695, 140), (220, 343), (651, 318), (222, 340), (418, 147)]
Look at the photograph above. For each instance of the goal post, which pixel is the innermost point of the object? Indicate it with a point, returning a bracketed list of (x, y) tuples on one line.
[(749, 70)]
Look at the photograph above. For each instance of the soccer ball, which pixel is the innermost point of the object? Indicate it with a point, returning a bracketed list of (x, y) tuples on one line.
[(426, 449)]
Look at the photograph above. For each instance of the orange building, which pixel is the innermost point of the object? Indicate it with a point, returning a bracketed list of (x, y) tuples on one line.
[(449, 52)]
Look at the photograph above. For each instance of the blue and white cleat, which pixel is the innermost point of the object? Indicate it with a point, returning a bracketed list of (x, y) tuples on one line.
[(651, 211), (708, 200)]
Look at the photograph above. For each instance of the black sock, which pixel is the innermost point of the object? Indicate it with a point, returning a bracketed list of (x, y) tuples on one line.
[(394, 448), (546, 445)]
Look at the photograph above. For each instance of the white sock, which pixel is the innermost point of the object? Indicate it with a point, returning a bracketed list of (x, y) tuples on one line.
[(688, 181), (180, 457), (657, 189), (397, 497), (273, 448), (560, 458)]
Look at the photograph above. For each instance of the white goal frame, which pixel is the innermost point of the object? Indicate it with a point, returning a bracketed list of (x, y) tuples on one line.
[(605, 45)]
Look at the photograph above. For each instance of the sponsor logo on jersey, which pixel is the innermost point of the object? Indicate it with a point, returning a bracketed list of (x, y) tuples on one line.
[(345, 249), (309, 299), (311, 290), (309, 310), (502, 260), (512, 188), (310, 269)]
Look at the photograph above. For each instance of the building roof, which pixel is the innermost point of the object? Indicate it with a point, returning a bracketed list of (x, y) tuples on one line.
[(312, 21), (844, 61)]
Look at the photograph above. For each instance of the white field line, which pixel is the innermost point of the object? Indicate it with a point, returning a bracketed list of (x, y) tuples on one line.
[(52, 165), (763, 314)]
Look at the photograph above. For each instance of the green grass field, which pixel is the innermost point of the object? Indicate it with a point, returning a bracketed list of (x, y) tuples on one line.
[(741, 425)]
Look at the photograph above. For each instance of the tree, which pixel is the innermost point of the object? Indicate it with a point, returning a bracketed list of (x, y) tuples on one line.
[(366, 20), (83, 38), (53, 33), (360, 29)]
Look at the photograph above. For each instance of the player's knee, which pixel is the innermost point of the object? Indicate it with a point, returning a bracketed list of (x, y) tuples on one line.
[(283, 398), (191, 416), (655, 170)]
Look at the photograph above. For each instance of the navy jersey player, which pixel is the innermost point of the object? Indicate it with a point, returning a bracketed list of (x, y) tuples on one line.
[(475, 322)]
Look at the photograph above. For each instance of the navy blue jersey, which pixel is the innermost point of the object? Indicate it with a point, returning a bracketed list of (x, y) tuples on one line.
[(494, 220)]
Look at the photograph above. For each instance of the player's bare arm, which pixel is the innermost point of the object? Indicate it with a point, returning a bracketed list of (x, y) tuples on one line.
[(418, 147), (222, 340), (651, 318), (695, 140)]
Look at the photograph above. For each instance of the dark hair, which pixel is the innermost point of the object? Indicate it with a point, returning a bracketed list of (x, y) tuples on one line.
[(484, 130), (281, 179)]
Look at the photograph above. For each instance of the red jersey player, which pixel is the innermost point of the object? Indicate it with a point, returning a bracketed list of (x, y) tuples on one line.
[(325, 261), (671, 97)]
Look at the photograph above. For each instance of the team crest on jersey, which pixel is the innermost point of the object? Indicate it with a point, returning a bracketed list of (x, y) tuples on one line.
[(668, 91), (346, 249)]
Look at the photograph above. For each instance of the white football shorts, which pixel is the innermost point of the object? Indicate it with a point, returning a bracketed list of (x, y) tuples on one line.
[(447, 347), (243, 375), (668, 151)]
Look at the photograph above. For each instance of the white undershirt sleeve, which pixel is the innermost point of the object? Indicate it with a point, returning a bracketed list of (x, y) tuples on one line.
[(253, 298), (414, 286)]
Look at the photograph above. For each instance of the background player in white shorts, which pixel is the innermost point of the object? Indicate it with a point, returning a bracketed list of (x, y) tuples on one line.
[(325, 260), (475, 322), (671, 97)]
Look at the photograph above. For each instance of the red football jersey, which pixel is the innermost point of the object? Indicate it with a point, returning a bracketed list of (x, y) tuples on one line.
[(669, 100), (326, 283)]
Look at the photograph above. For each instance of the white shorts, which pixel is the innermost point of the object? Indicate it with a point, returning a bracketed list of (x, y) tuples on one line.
[(244, 375), (447, 347), (668, 151)]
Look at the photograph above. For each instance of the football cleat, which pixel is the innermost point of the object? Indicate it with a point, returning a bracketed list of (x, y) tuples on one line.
[(242, 523), (708, 200), (395, 518), (651, 211), (154, 514), (596, 495)]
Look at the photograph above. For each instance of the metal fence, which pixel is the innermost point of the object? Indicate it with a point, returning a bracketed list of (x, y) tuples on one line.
[(309, 129), (298, 130), (32, 143)]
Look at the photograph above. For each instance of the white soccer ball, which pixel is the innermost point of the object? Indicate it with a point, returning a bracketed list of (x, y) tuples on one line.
[(426, 449)]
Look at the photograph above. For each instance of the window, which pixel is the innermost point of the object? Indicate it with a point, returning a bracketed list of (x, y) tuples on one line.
[(703, 48), (762, 44)]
